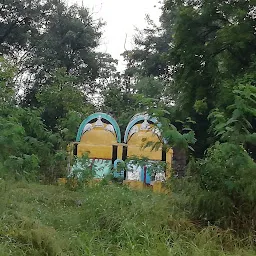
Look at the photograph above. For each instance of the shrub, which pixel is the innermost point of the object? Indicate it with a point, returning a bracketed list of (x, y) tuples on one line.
[(223, 190)]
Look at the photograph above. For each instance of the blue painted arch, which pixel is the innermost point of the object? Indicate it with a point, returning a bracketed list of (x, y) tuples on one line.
[(136, 119), (107, 117)]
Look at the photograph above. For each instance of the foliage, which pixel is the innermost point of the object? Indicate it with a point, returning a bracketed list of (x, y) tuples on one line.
[(227, 177), (153, 167), (6, 85), (174, 134), (69, 124), (235, 124), (123, 100), (224, 192), (61, 97), (20, 21), (34, 141), (120, 104), (104, 220), (15, 160), (26, 145), (198, 46), (199, 65), (81, 173), (41, 37), (204, 54), (156, 91)]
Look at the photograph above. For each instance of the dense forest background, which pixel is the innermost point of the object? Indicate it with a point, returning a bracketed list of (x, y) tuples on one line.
[(196, 72)]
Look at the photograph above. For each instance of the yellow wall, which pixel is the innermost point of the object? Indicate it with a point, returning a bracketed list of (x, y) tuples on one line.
[(97, 143), (98, 136), (144, 152), (169, 156), (138, 140), (95, 151), (135, 148)]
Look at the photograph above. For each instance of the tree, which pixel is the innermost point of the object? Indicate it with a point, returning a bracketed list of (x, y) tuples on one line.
[(199, 46), (60, 97), (20, 21), (6, 84), (236, 123), (120, 103), (44, 36)]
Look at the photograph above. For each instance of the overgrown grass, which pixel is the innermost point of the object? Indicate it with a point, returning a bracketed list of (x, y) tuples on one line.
[(104, 220)]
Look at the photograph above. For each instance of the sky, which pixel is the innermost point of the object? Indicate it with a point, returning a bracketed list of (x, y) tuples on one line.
[(121, 17)]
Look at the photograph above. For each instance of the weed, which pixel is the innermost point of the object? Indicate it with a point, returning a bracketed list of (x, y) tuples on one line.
[(109, 220)]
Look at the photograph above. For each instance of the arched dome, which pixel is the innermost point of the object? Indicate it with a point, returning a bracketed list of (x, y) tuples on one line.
[(138, 118), (85, 125)]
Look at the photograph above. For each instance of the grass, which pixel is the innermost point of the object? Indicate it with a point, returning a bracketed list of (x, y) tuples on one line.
[(103, 220)]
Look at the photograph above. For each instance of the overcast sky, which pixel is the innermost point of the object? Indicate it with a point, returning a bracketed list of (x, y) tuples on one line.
[(121, 16)]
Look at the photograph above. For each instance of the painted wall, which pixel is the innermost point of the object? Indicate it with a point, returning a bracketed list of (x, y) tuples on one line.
[(99, 136), (140, 131)]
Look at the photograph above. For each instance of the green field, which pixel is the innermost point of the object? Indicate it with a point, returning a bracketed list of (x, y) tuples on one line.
[(103, 220)]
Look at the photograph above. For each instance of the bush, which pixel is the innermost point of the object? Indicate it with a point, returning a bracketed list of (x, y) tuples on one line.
[(223, 191)]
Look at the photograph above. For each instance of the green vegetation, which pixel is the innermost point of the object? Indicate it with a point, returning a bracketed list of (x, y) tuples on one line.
[(105, 220), (195, 72)]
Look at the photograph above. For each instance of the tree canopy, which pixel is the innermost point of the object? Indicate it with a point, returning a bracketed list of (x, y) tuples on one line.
[(195, 72), (201, 50)]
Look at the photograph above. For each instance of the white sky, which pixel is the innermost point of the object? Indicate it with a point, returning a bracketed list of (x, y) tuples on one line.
[(122, 17)]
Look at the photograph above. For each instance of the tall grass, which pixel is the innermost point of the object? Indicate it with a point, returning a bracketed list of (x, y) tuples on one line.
[(104, 220)]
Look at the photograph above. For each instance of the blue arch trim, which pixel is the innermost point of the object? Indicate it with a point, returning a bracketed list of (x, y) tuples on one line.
[(135, 121), (94, 116)]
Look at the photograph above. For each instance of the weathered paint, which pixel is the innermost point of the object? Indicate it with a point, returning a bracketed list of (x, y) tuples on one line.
[(96, 136), (140, 131), (95, 116), (136, 141), (136, 119), (99, 136)]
